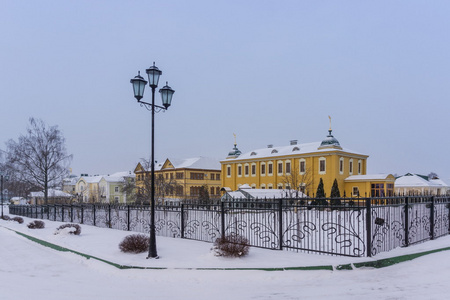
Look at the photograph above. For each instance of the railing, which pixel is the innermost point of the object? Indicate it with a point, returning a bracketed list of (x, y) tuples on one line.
[(355, 227)]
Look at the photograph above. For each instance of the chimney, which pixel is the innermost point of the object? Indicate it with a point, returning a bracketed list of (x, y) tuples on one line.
[(270, 146), (293, 142)]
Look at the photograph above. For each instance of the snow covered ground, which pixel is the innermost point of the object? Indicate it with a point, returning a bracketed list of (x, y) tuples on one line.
[(29, 270)]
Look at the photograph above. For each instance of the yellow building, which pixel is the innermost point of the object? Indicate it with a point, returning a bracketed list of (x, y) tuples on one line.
[(301, 166), (181, 179)]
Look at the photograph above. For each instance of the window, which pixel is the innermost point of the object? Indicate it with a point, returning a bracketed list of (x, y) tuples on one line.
[(217, 176), (359, 167), (239, 170), (246, 169), (179, 190), (350, 166), (280, 167), (212, 176), (228, 171), (211, 191), (167, 175), (390, 190), (288, 167), (302, 166), (263, 169), (116, 189), (280, 186), (179, 175), (341, 165), (253, 169), (355, 191), (116, 199), (270, 169), (197, 176), (377, 189), (322, 165)]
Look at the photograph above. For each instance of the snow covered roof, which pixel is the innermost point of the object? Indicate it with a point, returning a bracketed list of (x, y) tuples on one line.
[(51, 193), (118, 176), (368, 177), (415, 180), (200, 162), (290, 150), (246, 192)]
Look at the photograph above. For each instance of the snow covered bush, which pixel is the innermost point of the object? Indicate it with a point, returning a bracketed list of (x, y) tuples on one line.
[(135, 243), (37, 224), (6, 218), (18, 219), (69, 228), (231, 246)]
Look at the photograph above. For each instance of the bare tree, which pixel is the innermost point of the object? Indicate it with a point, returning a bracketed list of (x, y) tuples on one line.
[(298, 182), (39, 158)]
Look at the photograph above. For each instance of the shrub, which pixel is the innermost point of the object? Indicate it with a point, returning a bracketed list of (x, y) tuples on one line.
[(18, 219), (36, 224), (135, 243), (231, 246), (6, 218), (69, 228)]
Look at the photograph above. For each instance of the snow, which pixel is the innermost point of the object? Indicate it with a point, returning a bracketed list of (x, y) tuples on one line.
[(29, 270)]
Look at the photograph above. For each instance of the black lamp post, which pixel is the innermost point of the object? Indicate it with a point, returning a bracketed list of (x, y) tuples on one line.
[(139, 84), (5, 177)]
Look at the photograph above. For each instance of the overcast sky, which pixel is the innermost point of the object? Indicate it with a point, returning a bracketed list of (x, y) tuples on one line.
[(269, 71)]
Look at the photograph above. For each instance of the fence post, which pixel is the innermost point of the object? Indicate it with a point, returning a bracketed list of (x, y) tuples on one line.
[(222, 218), (109, 216), (369, 227), (93, 208), (406, 222), (62, 212), (448, 219), (54, 217), (128, 217), (182, 220), (71, 212), (432, 218), (82, 214), (280, 223)]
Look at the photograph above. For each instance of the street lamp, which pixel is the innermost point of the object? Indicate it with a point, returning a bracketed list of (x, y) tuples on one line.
[(139, 84), (2, 177)]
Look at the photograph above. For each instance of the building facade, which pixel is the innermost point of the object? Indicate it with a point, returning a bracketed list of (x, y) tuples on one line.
[(181, 179), (300, 167)]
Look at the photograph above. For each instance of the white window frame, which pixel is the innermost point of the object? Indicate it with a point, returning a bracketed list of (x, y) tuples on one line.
[(278, 168), (325, 166), (228, 171), (290, 167), (300, 166), (253, 165), (239, 168), (341, 165), (350, 166), (261, 168), (359, 167)]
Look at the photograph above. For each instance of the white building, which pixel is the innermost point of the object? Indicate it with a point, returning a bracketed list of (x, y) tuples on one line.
[(413, 184)]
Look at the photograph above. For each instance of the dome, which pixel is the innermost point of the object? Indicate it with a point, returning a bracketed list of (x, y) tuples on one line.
[(330, 142), (234, 153)]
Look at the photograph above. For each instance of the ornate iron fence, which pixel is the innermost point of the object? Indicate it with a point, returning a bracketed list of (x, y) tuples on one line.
[(355, 227)]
